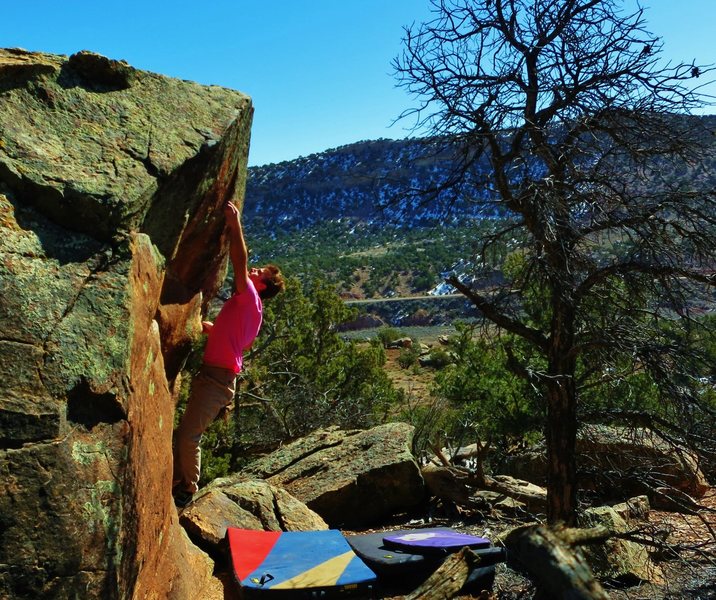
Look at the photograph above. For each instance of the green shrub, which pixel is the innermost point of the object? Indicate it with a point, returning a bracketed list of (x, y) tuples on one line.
[(492, 403), (306, 376), (439, 358), (386, 335), (408, 357)]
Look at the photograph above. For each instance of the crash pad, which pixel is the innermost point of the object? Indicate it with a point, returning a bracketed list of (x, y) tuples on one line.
[(296, 564), (409, 568), (433, 541)]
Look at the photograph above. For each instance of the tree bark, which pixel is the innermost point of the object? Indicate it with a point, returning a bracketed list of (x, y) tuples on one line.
[(448, 580), (557, 570), (561, 437), (561, 426)]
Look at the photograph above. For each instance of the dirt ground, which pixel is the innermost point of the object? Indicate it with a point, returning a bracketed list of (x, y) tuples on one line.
[(416, 383)]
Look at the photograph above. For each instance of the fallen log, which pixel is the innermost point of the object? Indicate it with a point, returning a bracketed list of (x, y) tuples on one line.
[(447, 483), (449, 579), (533, 496), (548, 557), (457, 485)]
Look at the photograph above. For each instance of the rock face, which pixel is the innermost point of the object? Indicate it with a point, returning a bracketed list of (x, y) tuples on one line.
[(111, 242), (247, 505), (349, 478)]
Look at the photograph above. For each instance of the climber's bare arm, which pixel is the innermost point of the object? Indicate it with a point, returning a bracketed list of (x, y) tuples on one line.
[(238, 252)]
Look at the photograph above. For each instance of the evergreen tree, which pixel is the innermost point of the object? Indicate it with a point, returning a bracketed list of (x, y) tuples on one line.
[(572, 109)]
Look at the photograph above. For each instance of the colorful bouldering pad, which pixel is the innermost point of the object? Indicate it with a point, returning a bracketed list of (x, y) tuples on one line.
[(296, 563), (434, 540)]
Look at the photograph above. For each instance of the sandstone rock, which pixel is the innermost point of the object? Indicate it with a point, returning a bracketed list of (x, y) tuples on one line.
[(617, 559), (631, 461), (404, 342), (634, 509), (436, 359), (350, 478), (529, 464), (275, 508), (247, 505), (207, 518), (112, 182), (673, 500), (640, 457), (99, 72), (191, 570)]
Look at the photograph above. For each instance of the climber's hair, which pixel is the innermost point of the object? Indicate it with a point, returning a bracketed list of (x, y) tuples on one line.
[(274, 283)]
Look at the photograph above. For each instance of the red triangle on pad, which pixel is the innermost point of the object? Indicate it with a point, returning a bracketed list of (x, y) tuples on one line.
[(251, 551)]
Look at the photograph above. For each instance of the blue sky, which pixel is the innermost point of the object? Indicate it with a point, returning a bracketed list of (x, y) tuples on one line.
[(318, 71)]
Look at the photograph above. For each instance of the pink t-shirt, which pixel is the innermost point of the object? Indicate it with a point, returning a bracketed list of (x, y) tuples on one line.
[(235, 328)]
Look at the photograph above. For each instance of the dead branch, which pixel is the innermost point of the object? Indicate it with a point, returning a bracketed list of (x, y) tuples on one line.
[(547, 556), (449, 579), (533, 500)]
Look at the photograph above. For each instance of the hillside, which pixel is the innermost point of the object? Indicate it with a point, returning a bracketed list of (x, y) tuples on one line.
[(349, 214), (369, 181), (353, 215)]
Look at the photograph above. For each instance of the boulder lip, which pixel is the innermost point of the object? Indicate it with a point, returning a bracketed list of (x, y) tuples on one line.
[(87, 139)]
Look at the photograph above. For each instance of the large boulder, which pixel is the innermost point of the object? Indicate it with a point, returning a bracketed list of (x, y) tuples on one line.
[(112, 182), (631, 461), (350, 478), (639, 459)]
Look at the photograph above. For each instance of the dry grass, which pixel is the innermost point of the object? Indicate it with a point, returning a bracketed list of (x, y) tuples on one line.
[(415, 382)]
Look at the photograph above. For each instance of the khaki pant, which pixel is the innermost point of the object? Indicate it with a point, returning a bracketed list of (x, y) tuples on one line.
[(211, 390)]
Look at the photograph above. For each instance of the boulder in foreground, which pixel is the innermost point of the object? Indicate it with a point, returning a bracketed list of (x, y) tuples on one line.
[(350, 478)]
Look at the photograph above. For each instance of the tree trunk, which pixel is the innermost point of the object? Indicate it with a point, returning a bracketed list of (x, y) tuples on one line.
[(561, 427), (561, 436)]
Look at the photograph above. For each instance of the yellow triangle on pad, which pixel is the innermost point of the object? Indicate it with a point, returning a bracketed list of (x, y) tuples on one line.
[(327, 573)]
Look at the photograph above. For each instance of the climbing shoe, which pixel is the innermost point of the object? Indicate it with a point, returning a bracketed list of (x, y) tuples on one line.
[(182, 498)]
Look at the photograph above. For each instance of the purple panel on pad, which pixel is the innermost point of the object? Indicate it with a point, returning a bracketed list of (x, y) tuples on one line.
[(443, 539)]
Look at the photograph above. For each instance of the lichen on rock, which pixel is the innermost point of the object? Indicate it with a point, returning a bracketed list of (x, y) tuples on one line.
[(112, 184)]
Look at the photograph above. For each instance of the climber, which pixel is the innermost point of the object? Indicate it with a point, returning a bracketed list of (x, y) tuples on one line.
[(233, 331)]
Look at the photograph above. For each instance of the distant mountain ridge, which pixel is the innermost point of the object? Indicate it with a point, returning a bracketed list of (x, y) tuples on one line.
[(365, 180), (322, 215), (370, 181)]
